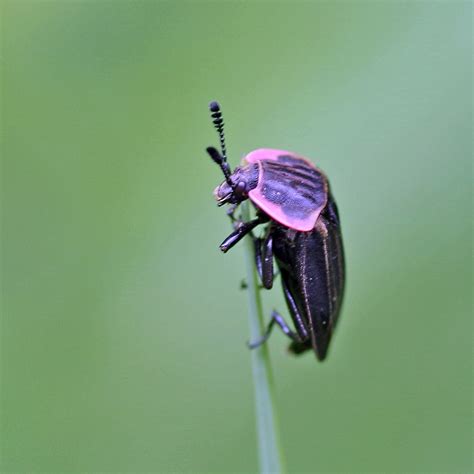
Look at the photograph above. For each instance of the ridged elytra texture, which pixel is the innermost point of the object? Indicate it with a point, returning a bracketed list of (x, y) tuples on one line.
[(290, 189)]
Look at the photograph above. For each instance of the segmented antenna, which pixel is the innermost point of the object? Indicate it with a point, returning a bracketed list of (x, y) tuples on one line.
[(218, 122), (219, 158)]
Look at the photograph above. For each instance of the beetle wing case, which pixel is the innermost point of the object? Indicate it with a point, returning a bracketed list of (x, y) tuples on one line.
[(312, 268), (290, 189)]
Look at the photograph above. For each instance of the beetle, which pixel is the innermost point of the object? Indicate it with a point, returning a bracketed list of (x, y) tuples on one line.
[(293, 200)]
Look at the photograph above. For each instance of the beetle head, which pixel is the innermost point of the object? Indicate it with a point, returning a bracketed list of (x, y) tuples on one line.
[(236, 189)]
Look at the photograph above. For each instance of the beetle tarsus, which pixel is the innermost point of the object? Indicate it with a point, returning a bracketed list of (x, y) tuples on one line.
[(258, 342)]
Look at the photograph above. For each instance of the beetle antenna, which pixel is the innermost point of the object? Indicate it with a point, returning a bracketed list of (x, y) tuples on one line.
[(219, 158), (218, 122)]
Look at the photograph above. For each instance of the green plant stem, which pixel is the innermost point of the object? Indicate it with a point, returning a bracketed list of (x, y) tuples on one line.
[(268, 437)]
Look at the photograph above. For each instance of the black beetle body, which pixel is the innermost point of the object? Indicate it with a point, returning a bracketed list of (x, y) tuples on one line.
[(303, 234)]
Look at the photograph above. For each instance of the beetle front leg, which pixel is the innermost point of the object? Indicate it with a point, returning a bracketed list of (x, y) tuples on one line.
[(242, 230)]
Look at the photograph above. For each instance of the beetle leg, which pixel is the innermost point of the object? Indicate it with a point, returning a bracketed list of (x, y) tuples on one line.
[(300, 339), (278, 319), (294, 311), (239, 233), (264, 258)]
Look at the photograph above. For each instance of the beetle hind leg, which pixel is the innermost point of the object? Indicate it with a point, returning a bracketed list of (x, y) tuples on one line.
[(300, 340), (277, 318)]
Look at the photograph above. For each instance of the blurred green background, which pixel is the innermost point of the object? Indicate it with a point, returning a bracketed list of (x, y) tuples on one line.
[(123, 326)]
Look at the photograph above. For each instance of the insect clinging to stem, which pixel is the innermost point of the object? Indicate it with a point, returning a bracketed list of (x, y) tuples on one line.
[(292, 198)]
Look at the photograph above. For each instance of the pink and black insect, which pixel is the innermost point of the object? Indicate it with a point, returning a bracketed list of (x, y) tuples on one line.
[(303, 234)]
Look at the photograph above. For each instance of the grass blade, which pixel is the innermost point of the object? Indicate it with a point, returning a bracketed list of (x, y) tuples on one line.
[(268, 437)]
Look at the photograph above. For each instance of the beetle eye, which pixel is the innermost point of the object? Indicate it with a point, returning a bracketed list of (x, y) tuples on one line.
[(240, 188)]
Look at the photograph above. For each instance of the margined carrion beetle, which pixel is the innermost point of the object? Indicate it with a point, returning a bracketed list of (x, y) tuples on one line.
[(292, 198)]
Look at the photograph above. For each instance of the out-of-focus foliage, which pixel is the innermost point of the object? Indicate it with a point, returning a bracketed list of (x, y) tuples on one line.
[(123, 327)]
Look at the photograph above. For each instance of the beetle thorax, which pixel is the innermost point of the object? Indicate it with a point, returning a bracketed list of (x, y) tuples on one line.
[(243, 180)]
